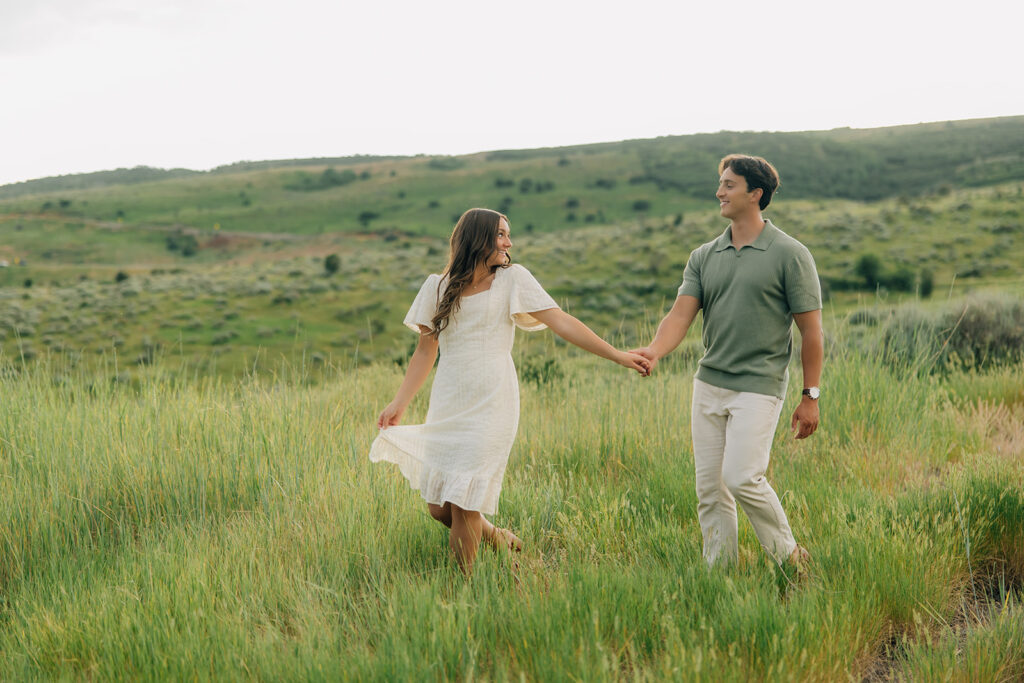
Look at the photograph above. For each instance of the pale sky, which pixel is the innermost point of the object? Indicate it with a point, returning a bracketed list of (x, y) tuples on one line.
[(88, 85)]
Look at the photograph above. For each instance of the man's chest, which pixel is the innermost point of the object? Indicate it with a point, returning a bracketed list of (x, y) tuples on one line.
[(746, 274)]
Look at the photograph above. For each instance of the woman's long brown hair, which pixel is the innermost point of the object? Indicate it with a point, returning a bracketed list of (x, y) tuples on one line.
[(473, 240)]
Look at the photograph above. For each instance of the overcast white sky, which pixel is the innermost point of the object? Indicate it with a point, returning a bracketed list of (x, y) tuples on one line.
[(90, 85)]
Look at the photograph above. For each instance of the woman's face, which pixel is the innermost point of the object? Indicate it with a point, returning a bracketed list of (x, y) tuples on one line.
[(503, 243)]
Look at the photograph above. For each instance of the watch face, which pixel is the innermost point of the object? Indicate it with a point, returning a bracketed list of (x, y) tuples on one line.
[(814, 392)]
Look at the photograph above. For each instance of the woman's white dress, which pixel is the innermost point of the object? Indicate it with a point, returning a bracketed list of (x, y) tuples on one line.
[(459, 455)]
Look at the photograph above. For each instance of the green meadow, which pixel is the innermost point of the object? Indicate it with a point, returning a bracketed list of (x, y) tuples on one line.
[(188, 394), (236, 530)]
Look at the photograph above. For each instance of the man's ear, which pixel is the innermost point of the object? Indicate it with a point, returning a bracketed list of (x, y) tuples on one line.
[(756, 195)]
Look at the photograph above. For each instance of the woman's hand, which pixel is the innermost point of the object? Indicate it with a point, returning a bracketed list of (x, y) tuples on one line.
[(390, 416), (652, 359), (634, 361)]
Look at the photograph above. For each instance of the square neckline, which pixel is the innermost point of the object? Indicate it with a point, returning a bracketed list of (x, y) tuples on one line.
[(494, 281)]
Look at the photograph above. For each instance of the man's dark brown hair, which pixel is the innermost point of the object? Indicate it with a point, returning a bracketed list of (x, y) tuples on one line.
[(758, 173)]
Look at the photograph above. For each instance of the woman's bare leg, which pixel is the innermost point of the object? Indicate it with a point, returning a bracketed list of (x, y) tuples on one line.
[(467, 529), (442, 513), (496, 537)]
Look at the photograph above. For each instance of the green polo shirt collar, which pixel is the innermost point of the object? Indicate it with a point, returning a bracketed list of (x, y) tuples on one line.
[(763, 241)]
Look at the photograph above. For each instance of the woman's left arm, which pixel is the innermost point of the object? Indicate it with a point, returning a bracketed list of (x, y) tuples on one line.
[(575, 332)]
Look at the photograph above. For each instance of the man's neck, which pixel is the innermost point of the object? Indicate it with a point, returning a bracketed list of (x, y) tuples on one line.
[(746, 229)]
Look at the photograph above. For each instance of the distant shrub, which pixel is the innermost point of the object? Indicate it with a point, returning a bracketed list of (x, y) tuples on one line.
[(121, 276), (572, 203), (433, 204), (365, 217), (975, 333), (540, 372), (332, 263), (678, 220), (446, 163), (224, 337), (304, 182), (641, 205), (28, 282), (927, 283), (504, 182), (604, 183), (285, 298), (869, 268), (865, 316), (562, 161), (900, 281), (525, 185), (188, 244)]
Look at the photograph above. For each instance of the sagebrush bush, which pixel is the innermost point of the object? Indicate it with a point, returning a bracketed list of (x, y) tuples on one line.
[(977, 332)]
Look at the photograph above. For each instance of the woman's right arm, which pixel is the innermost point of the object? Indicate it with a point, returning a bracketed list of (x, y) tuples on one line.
[(416, 374)]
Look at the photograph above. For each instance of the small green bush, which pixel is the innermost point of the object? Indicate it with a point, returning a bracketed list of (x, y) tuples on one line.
[(976, 333), (540, 372)]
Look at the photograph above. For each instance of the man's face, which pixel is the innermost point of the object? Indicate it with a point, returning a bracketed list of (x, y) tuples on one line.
[(733, 198)]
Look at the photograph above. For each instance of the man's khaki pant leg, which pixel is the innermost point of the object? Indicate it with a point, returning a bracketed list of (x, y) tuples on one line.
[(732, 439)]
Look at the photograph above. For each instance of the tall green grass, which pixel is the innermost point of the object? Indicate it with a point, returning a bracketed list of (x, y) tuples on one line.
[(236, 530)]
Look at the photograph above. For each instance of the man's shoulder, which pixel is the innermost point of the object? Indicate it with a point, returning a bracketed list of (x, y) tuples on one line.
[(788, 243), (702, 251)]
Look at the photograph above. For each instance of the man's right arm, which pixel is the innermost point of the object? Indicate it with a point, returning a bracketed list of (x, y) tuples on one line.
[(672, 330)]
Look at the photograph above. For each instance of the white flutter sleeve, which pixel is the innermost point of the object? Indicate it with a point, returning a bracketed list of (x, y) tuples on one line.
[(526, 296), (424, 306)]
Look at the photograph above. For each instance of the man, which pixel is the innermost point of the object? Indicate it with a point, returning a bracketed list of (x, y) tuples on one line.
[(751, 283)]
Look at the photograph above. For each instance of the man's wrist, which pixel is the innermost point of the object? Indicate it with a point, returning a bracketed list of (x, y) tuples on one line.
[(811, 393)]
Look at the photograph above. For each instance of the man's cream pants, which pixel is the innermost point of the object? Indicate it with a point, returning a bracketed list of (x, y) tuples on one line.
[(732, 438)]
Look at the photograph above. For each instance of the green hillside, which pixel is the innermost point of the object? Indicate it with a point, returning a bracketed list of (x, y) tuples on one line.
[(542, 190), (218, 268)]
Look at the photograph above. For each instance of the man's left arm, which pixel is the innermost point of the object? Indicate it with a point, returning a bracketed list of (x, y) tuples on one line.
[(812, 357)]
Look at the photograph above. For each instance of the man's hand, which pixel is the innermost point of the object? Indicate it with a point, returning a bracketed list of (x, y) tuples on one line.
[(650, 356), (805, 418)]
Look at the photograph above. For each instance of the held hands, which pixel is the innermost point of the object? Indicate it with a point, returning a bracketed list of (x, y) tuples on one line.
[(652, 359), (805, 418), (634, 361), (390, 416)]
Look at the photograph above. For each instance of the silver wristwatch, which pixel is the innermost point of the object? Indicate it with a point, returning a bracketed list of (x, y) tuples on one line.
[(812, 392)]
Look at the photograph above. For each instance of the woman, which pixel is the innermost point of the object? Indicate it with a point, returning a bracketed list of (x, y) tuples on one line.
[(457, 458)]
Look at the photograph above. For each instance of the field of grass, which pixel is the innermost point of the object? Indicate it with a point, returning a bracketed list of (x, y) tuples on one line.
[(197, 528), (187, 400)]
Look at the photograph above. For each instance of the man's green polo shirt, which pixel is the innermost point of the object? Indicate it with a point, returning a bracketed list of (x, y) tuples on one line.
[(749, 297)]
